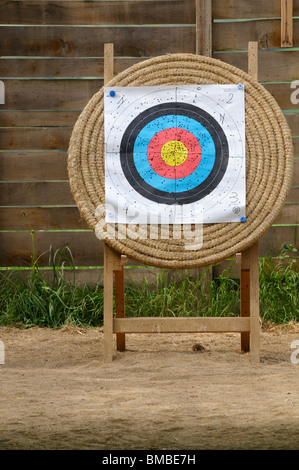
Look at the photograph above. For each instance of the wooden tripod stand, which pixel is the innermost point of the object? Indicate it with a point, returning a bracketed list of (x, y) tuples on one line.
[(248, 322)]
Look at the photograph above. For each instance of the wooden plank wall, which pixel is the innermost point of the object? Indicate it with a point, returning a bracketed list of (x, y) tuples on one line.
[(51, 63)]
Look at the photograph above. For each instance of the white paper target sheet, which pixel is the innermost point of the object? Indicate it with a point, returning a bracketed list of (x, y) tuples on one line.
[(175, 154)]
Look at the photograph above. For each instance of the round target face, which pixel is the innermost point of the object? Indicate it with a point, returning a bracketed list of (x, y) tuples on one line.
[(174, 153), (175, 146)]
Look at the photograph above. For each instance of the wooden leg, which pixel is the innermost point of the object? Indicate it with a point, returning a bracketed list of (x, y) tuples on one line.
[(245, 306), (254, 304), (108, 304), (250, 301), (120, 306), (108, 254)]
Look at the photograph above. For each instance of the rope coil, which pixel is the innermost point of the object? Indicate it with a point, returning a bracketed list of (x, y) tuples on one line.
[(269, 163)]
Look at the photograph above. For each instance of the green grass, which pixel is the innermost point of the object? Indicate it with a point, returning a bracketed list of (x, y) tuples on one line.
[(183, 298), (36, 301), (279, 287)]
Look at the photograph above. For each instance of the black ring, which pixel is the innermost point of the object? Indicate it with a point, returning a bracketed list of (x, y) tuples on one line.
[(184, 197)]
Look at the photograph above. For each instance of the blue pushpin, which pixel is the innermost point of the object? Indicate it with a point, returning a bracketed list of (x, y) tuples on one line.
[(242, 219), (112, 93), (240, 86)]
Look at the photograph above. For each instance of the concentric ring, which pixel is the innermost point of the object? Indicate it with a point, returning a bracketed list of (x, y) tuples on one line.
[(158, 161), (140, 174)]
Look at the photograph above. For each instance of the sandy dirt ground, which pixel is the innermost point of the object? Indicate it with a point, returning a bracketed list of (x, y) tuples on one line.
[(57, 394)]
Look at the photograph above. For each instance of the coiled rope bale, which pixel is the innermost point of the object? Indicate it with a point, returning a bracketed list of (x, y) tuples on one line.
[(269, 162)]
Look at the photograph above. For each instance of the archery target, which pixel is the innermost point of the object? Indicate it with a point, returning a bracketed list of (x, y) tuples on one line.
[(175, 151)]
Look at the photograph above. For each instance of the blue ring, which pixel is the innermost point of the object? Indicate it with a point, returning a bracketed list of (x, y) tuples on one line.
[(167, 184)]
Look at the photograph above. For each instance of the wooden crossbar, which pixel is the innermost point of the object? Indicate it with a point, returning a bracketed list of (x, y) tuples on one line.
[(181, 325)]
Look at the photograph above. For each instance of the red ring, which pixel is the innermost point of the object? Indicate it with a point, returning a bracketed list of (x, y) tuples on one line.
[(169, 171)]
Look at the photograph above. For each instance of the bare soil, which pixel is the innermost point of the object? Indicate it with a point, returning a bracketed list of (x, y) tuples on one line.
[(192, 392)]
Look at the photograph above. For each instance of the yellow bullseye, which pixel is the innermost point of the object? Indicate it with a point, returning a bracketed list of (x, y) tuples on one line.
[(174, 153)]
